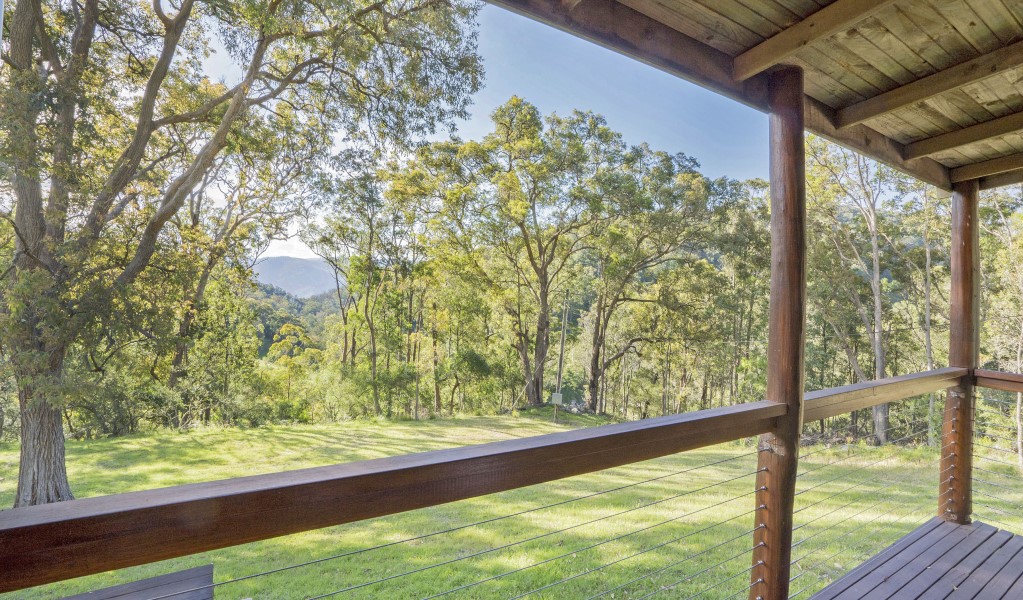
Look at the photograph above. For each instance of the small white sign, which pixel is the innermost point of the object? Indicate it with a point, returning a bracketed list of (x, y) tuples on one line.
[(556, 398)]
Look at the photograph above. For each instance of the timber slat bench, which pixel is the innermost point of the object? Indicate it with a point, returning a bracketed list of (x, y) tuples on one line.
[(190, 584)]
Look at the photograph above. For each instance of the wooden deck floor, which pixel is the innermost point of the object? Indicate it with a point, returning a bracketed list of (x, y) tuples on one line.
[(939, 560)]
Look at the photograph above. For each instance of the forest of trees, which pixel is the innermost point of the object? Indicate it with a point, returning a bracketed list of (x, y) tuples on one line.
[(138, 196)]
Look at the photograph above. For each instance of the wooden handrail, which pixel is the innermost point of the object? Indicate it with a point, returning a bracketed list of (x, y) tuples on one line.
[(848, 398), (53, 542), (999, 380)]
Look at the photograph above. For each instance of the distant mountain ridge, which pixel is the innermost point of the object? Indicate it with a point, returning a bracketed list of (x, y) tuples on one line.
[(300, 277)]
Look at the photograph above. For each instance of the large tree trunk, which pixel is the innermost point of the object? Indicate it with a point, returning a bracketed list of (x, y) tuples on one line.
[(42, 476), (38, 364)]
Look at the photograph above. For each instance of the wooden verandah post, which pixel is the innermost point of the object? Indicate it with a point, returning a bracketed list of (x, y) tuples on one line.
[(779, 456), (955, 497)]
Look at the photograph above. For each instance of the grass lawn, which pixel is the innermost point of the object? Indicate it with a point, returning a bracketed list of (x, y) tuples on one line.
[(680, 529)]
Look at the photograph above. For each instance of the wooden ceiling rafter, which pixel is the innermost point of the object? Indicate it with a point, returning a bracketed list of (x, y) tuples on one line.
[(824, 23), (1002, 180), (955, 77), (988, 168), (968, 135)]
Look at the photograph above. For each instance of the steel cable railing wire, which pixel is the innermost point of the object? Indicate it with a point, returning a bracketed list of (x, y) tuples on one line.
[(1005, 502), (746, 589), (997, 510), (824, 541), (997, 485), (835, 524), (544, 535), (861, 452), (988, 434), (556, 583), (990, 400), (847, 533), (996, 448), (832, 480), (834, 511), (864, 535), (825, 447), (678, 562), (988, 519), (990, 472), (993, 497), (838, 493), (620, 560), (457, 527), (706, 589), (810, 570), (803, 456), (994, 460), (986, 424), (886, 501), (982, 409)]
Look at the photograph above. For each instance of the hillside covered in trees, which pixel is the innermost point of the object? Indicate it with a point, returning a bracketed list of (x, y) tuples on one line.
[(458, 267)]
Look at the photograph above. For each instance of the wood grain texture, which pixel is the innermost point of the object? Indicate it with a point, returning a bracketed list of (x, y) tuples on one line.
[(956, 473), (998, 380), (842, 400), (863, 139), (966, 136), (190, 584), (937, 560), (779, 455), (972, 70), (995, 166), (1001, 180), (58, 541), (823, 23)]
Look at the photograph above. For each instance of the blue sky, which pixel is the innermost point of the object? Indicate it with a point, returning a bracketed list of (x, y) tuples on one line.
[(559, 72)]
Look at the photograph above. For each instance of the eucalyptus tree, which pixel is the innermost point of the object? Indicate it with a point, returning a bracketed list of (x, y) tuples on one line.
[(1002, 222), (518, 207), (109, 121), (352, 239), (663, 212), (853, 194), (248, 198)]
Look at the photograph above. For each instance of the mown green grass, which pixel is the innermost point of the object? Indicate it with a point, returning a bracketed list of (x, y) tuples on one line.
[(683, 534)]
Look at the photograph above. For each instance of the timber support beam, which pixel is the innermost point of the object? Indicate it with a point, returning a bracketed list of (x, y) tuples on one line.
[(779, 449), (955, 494)]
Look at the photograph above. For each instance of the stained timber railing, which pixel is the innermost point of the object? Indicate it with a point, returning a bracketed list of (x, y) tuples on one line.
[(54, 542), (997, 469)]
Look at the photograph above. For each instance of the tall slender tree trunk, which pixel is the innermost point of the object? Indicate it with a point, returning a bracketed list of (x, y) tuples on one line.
[(436, 363), (880, 412), (178, 367), (596, 370), (541, 346), (1018, 416), (928, 346)]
